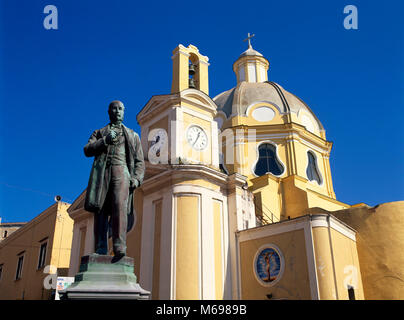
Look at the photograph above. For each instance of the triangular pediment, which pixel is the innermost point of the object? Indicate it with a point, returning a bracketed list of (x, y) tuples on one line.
[(198, 98), (155, 105)]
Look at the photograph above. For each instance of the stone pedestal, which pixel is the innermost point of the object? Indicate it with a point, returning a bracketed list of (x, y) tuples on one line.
[(100, 277)]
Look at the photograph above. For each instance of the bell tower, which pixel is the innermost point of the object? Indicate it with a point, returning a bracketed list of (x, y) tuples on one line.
[(190, 69), (191, 209)]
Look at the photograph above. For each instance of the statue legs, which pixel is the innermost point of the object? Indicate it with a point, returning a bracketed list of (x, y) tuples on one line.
[(115, 207)]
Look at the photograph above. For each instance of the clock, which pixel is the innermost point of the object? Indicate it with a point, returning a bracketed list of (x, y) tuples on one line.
[(197, 138), (158, 145)]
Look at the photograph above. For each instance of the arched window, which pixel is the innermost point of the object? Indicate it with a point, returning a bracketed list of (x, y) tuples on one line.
[(313, 174), (268, 161)]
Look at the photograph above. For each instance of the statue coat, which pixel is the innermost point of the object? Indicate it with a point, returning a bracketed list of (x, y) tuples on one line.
[(97, 186)]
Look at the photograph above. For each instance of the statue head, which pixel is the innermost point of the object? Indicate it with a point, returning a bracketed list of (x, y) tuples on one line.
[(116, 111)]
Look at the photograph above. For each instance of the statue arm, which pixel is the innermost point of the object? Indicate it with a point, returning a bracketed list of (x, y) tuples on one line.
[(95, 145), (137, 179)]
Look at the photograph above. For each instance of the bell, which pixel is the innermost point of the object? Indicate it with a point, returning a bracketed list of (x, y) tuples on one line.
[(192, 69), (191, 83)]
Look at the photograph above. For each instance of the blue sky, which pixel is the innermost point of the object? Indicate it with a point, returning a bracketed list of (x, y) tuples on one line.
[(55, 85)]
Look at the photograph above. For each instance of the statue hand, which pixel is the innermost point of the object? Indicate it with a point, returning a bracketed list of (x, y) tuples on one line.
[(110, 138)]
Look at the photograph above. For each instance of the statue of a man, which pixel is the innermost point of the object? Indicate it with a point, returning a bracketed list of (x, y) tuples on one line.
[(117, 170)]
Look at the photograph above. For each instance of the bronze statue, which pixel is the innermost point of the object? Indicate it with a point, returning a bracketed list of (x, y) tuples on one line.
[(117, 170)]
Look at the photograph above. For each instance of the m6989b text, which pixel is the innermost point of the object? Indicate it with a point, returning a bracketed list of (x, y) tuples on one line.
[(223, 309)]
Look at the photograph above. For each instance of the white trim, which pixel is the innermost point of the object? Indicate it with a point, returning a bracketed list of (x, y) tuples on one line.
[(204, 62), (238, 270), (147, 244), (311, 261), (200, 247), (289, 136), (222, 248), (187, 95), (215, 143), (182, 52), (174, 247), (334, 224), (264, 103), (196, 114), (322, 221), (165, 281), (265, 231), (158, 116), (176, 127), (227, 278)]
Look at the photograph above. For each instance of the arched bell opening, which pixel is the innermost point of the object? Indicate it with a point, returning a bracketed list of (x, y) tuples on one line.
[(193, 71)]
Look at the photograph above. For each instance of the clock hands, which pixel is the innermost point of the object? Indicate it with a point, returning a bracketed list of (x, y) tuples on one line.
[(197, 137)]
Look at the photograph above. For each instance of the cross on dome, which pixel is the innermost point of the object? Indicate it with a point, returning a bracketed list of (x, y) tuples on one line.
[(249, 39)]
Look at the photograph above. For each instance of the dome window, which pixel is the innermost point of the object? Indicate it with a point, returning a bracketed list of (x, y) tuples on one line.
[(268, 162), (313, 174)]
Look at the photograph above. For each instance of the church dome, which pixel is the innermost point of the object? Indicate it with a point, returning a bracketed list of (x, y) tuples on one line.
[(237, 100), (253, 91)]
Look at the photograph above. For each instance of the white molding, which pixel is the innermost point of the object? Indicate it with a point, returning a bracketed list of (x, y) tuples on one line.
[(311, 261), (147, 244), (263, 103), (265, 231), (165, 247), (182, 52), (176, 129), (204, 62), (338, 226), (196, 114), (188, 95), (289, 136), (214, 136), (329, 221)]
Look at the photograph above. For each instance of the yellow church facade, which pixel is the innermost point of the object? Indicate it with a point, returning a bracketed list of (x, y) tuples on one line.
[(238, 201)]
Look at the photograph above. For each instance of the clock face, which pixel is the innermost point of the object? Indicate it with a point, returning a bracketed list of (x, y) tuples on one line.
[(197, 138), (158, 138)]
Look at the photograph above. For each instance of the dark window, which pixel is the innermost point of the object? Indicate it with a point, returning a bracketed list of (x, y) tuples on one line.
[(42, 255), (18, 275), (312, 171), (1, 271), (267, 161), (351, 293)]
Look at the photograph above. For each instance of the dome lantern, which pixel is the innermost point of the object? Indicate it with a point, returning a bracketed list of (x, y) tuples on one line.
[(251, 66)]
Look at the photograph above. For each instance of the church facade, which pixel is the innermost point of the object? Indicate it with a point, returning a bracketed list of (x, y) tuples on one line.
[(238, 200)]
